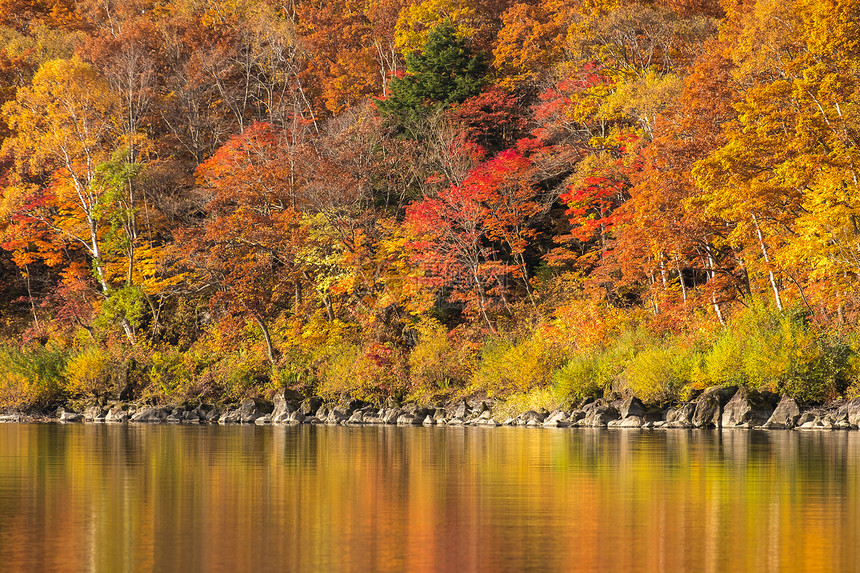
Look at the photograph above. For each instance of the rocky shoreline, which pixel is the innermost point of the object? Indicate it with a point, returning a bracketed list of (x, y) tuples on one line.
[(723, 407)]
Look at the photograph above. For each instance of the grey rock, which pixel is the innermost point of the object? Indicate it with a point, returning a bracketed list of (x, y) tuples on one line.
[(297, 417), (263, 420), (356, 418), (853, 410), (428, 421), (69, 416), (311, 405), (785, 416), (246, 413), (149, 415), (461, 411), (408, 420), (632, 406), (336, 416), (628, 422), (94, 413), (681, 416), (391, 415), (116, 415), (709, 406), (748, 408), (281, 407)]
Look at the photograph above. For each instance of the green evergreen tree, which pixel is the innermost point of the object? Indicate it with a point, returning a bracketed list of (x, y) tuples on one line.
[(446, 72)]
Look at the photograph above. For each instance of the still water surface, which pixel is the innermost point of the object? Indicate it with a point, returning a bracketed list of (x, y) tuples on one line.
[(232, 498)]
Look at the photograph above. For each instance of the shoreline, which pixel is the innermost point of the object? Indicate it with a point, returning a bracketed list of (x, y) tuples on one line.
[(718, 407)]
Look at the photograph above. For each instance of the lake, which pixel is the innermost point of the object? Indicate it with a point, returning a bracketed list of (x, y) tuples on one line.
[(313, 498)]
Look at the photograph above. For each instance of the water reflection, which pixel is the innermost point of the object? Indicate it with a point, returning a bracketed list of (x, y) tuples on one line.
[(141, 498)]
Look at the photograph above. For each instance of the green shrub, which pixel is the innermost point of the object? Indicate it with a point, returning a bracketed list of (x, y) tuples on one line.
[(580, 377), (32, 378)]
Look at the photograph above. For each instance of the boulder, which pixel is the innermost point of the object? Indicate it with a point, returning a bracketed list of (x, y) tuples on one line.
[(311, 405), (70, 416), (459, 410), (557, 419), (785, 416), (390, 415), (709, 406), (116, 415), (94, 413), (681, 416), (281, 407), (628, 422), (632, 406), (337, 415), (853, 411), (408, 420), (598, 414), (748, 409), (207, 413), (149, 415), (296, 417), (246, 413)]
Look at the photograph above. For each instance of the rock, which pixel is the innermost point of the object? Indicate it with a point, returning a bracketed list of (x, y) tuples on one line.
[(94, 413), (491, 423), (191, 417), (337, 415), (69, 416), (149, 415), (532, 416), (785, 416), (628, 422), (853, 410), (681, 416), (557, 419), (810, 416), (598, 414), (356, 418), (116, 415), (428, 421), (391, 415), (297, 417), (408, 420), (748, 408), (632, 406), (311, 405), (460, 410), (207, 413), (709, 406), (281, 407), (246, 413)]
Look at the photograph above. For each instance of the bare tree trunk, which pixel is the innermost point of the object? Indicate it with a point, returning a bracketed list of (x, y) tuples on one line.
[(767, 262), (270, 350), (681, 280), (711, 275)]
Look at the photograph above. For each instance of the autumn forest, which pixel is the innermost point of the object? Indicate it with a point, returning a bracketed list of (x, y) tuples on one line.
[(537, 201)]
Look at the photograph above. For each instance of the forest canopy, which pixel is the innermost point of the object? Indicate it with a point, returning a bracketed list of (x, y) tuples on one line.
[(546, 199)]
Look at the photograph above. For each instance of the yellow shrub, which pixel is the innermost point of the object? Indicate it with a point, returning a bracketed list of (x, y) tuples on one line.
[(88, 373)]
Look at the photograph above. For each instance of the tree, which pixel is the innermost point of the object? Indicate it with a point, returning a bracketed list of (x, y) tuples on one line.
[(445, 72)]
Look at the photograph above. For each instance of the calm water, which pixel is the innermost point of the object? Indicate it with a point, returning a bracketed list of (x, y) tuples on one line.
[(170, 498)]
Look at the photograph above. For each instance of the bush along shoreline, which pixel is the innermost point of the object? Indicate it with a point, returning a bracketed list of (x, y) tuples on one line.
[(718, 407), (591, 367)]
